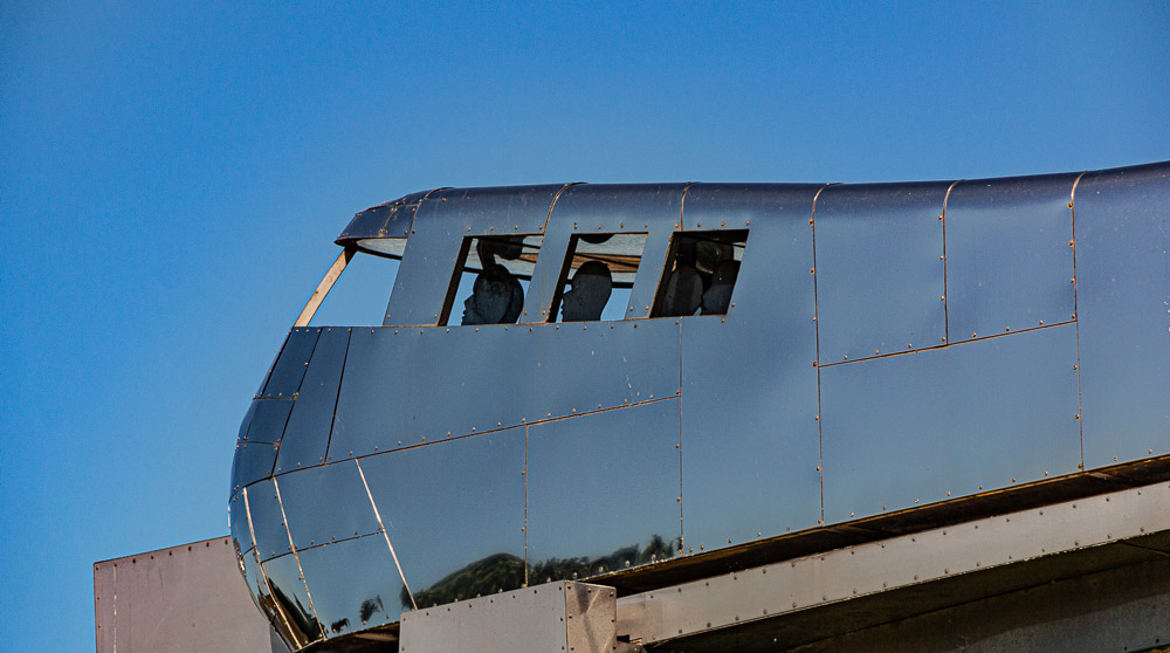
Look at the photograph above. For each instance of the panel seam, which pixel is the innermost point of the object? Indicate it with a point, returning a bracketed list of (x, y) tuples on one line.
[(385, 534), (812, 223)]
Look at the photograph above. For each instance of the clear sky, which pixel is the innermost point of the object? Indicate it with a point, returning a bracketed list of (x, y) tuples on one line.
[(172, 176)]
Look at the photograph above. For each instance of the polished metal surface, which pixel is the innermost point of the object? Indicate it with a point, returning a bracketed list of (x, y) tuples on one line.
[(269, 534), (290, 365), (182, 599), (620, 363), (620, 471), (323, 505), (1123, 311), (1009, 258), (307, 433), (564, 616), (298, 620), (252, 462), (885, 347), (268, 418), (764, 461), (443, 220), (454, 512), (880, 276), (932, 425), (354, 584)]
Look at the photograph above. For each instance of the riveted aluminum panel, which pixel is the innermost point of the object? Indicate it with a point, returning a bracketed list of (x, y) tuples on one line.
[(924, 427), (443, 220), (457, 373), (749, 398), (238, 518), (354, 584), (311, 421), (325, 504), (289, 368), (454, 512), (177, 600), (252, 462), (387, 220), (269, 417), (564, 616), (653, 209), (1025, 540), (291, 598), (603, 491), (246, 423), (268, 528), (879, 272), (1123, 297), (259, 589), (1009, 255)]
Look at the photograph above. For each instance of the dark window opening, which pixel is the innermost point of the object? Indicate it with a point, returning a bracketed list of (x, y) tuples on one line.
[(597, 277), (491, 279), (700, 273)]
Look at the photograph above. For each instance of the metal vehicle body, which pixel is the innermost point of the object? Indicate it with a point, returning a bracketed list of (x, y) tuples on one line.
[(890, 355)]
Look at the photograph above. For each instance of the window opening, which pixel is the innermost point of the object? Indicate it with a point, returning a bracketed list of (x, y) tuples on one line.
[(597, 277), (700, 273), (491, 279), (358, 298)]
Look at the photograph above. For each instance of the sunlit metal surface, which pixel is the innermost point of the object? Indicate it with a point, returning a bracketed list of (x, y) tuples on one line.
[(314, 507), (266, 516), (1009, 255), (378, 411), (761, 355), (354, 584), (480, 482), (620, 469), (290, 598), (880, 281), (290, 365), (1123, 312), (457, 461), (928, 426), (443, 220), (312, 417)]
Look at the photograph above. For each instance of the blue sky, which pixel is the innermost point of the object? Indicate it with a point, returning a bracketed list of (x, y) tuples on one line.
[(172, 176)]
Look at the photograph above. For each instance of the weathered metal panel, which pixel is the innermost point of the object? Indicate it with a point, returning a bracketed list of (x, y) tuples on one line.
[(354, 584), (454, 512), (1009, 255), (307, 433), (924, 427), (289, 368), (1123, 309), (443, 220), (326, 504), (603, 491), (268, 527), (458, 373), (183, 599), (879, 269), (564, 616), (750, 446)]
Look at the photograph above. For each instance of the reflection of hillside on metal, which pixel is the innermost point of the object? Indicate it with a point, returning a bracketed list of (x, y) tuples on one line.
[(726, 375)]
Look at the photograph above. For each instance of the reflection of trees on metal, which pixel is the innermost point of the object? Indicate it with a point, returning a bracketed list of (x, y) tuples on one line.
[(776, 363), (503, 571)]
